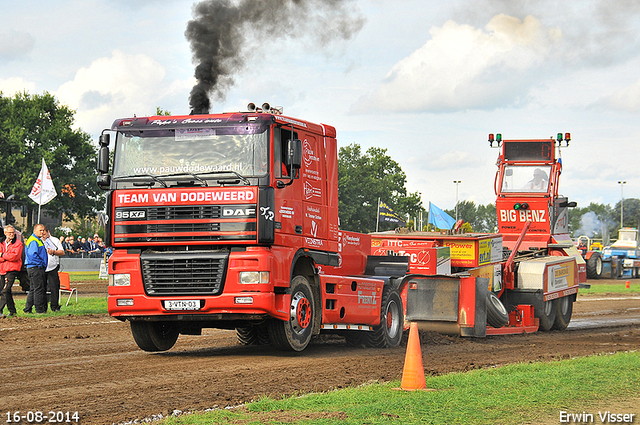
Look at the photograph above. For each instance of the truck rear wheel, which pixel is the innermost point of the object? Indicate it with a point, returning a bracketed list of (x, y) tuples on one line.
[(294, 334), (389, 332), (497, 315), (594, 266), (547, 315), (154, 336), (564, 310)]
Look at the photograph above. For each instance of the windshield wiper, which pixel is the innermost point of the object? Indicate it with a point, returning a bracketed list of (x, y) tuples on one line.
[(195, 176), (133, 176), (244, 179)]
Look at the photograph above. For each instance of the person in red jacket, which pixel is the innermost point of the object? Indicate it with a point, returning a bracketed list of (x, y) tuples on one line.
[(10, 265)]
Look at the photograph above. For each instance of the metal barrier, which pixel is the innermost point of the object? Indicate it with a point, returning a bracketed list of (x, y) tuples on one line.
[(80, 264)]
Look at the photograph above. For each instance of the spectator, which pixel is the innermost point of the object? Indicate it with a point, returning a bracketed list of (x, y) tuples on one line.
[(68, 247), (77, 246), (36, 260), (54, 252), (101, 246), (10, 265), (92, 248)]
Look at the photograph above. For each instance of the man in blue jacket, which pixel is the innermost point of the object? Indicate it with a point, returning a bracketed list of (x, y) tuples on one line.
[(36, 260)]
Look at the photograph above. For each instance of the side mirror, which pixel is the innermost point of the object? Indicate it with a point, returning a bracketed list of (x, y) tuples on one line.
[(104, 140), (104, 181), (103, 160), (294, 154)]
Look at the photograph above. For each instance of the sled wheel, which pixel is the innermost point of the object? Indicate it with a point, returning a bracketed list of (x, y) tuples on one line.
[(154, 336), (497, 315), (294, 334), (547, 315), (594, 266), (564, 309), (389, 332), (355, 338), (253, 335)]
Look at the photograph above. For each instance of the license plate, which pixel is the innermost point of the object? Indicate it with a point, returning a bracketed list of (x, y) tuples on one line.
[(182, 304)]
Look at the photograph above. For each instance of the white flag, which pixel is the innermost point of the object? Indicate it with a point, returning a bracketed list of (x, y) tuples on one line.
[(43, 190)]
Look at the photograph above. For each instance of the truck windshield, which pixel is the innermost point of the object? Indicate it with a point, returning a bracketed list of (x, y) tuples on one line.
[(527, 179), (243, 151)]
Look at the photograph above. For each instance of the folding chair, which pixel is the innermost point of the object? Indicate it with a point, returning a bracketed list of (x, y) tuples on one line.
[(65, 286)]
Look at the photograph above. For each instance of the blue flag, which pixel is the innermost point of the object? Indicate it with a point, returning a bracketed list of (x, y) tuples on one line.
[(439, 218)]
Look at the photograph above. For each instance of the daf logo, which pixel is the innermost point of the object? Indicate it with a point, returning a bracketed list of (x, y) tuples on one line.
[(238, 212)]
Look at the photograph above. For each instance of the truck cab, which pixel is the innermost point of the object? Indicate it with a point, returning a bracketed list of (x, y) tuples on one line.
[(231, 221)]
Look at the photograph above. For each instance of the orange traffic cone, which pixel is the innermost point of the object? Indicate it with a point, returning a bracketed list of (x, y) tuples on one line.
[(627, 284), (413, 372)]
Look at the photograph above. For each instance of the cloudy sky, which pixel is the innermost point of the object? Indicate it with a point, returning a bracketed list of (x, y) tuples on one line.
[(427, 80)]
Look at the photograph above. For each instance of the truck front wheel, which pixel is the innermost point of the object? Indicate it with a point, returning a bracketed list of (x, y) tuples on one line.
[(154, 336), (294, 334), (389, 332), (547, 315), (564, 310)]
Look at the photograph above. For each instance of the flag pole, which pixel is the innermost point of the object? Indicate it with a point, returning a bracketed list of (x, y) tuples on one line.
[(378, 215), (40, 200)]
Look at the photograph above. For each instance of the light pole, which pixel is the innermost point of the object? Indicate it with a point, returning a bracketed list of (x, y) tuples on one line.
[(622, 183), (457, 182)]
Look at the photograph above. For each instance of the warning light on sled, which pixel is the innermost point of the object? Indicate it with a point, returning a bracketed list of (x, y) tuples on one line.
[(521, 206)]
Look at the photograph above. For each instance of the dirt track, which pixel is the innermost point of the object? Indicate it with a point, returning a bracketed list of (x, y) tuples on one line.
[(91, 364)]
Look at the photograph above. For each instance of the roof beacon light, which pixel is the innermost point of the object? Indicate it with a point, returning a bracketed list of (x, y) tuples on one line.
[(499, 137), (491, 139), (559, 137), (567, 137)]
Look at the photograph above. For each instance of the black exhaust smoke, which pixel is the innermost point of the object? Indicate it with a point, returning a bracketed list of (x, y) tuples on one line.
[(220, 30)]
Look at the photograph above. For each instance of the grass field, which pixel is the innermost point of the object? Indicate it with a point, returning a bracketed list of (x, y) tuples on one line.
[(514, 394), (95, 305)]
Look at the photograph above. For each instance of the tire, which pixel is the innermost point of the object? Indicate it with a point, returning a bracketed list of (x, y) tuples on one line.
[(154, 336), (389, 332), (594, 266), (547, 316), (564, 310), (497, 315), (294, 334), (355, 338), (253, 335)]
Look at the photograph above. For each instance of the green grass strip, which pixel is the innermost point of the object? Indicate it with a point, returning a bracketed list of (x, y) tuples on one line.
[(615, 288), (90, 305), (514, 394)]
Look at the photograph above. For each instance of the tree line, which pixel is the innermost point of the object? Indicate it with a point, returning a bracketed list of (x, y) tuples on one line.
[(33, 127)]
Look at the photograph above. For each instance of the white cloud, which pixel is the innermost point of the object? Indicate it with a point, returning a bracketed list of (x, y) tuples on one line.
[(463, 67), (13, 85), (626, 99), (118, 86), (15, 44)]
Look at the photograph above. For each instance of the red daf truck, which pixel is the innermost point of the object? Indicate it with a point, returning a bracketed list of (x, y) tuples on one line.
[(231, 221)]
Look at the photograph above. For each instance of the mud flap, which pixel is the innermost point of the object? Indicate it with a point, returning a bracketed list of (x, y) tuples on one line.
[(448, 304), (479, 328)]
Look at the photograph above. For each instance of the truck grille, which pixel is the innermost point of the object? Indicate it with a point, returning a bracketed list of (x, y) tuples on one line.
[(195, 273), (183, 212)]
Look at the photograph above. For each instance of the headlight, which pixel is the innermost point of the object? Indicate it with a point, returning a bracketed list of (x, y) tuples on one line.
[(119, 279), (254, 277)]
